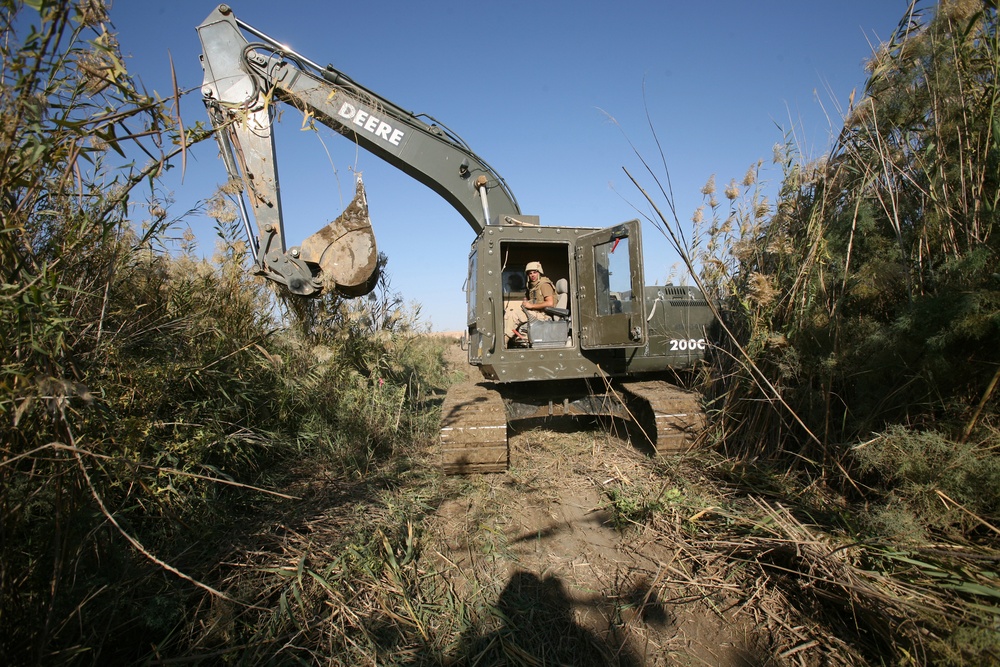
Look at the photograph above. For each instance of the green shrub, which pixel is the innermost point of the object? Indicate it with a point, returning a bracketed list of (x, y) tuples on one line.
[(931, 484)]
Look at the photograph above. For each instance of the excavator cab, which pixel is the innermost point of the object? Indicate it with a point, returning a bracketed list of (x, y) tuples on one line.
[(599, 280)]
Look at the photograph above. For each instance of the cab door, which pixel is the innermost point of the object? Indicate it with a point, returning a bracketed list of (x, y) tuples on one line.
[(611, 312)]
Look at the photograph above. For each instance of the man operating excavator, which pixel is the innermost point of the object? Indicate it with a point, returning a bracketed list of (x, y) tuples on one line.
[(541, 294)]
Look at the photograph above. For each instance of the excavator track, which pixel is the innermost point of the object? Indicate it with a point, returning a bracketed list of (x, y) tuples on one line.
[(473, 430), (670, 417)]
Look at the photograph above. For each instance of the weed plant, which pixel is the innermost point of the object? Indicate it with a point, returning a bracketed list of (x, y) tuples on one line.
[(151, 403), (861, 312)]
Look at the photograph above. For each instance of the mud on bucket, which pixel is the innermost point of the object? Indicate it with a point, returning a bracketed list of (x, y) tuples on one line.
[(345, 249)]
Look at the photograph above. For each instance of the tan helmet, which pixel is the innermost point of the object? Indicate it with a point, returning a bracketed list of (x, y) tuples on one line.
[(534, 266)]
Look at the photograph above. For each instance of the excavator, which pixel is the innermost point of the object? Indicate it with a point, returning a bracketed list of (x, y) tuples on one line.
[(609, 347)]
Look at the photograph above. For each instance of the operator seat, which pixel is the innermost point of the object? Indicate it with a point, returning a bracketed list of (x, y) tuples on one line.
[(556, 332), (560, 310)]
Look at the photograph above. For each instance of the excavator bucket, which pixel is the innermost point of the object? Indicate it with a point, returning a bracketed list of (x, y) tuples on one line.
[(345, 249)]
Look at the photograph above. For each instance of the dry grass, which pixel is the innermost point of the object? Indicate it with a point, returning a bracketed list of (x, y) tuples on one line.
[(587, 551)]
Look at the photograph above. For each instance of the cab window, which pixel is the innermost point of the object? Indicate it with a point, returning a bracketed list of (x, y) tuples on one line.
[(614, 278)]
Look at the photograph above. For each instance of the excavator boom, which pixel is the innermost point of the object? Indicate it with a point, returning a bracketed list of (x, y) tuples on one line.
[(244, 81)]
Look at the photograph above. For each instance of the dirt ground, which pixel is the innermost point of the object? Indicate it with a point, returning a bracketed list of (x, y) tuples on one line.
[(544, 541), (552, 574)]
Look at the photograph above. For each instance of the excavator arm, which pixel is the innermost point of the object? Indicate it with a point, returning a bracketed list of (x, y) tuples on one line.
[(245, 80)]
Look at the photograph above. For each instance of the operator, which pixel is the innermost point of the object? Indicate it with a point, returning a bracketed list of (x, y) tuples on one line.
[(541, 295)]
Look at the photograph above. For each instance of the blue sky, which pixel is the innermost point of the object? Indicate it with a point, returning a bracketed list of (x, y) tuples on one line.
[(530, 86)]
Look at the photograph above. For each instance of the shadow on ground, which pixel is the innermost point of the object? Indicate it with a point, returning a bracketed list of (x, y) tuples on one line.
[(533, 623)]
